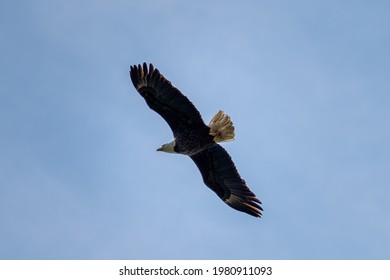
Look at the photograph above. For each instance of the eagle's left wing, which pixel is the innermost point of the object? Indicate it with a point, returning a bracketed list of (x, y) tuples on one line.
[(220, 175)]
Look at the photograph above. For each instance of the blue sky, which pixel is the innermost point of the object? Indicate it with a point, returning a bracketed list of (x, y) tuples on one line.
[(305, 82)]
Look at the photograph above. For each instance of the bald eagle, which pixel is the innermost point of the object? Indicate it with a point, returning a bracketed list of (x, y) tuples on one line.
[(194, 138)]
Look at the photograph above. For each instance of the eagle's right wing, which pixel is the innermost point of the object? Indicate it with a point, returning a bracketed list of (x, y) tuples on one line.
[(165, 99)]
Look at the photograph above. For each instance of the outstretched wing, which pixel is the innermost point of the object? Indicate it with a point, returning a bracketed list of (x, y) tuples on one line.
[(165, 99), (220, 174)]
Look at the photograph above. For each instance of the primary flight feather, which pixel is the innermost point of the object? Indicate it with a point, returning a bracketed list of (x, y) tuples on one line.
[(194, 138)]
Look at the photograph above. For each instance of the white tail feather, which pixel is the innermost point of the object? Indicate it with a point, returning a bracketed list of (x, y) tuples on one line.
[(221, 127)]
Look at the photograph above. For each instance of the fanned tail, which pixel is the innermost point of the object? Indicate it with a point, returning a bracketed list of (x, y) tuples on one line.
[(221, 127)]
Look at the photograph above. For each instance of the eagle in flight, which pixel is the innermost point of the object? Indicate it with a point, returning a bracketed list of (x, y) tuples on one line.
[(192, 137)]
